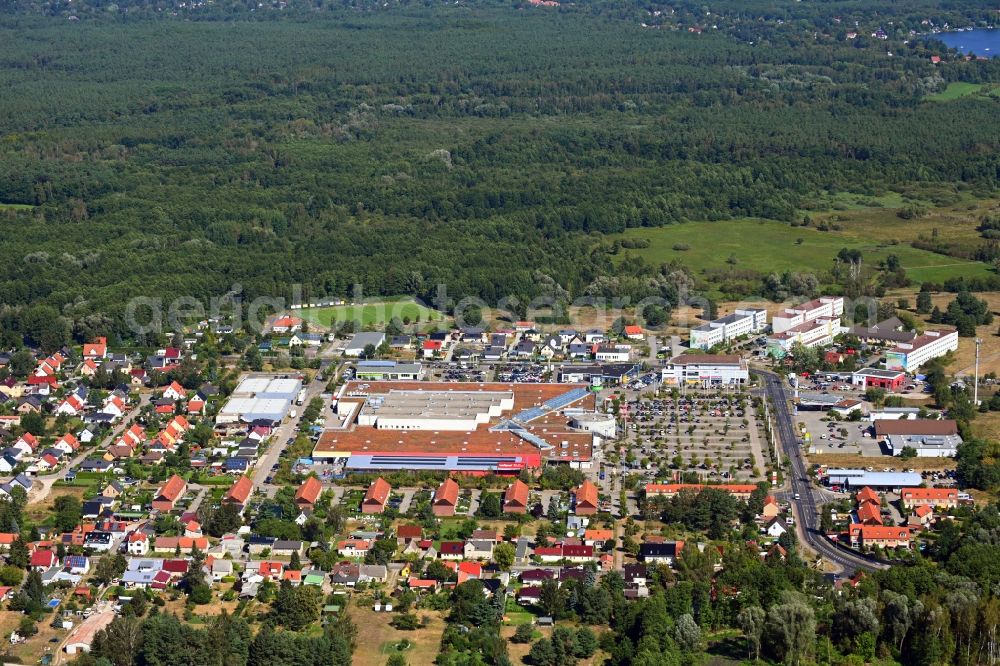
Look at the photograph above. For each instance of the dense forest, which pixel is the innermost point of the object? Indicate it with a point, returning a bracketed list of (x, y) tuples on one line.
[(486, 147)]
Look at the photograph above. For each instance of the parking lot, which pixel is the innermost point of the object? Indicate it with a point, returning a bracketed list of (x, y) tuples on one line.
[(714, 435), (826, 435)]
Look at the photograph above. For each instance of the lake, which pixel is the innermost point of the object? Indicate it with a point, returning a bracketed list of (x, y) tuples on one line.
[(980, 42)]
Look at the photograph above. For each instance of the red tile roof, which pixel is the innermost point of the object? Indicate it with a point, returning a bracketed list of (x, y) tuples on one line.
[(172, 489), (447, 493), (240, 491), (869, 512), (309, 491), (929, 494), (378, 492), (517, 493), (586, 494), (409, 531), (866, 494)]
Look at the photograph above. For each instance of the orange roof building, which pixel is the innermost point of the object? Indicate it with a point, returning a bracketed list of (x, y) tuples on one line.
[(96, 349), (597, 537), (445, 499), (376, 497), (740, 491), (944, 498), (866, 494), (169, 493), (586, 499), (869, 513), (884, 536), (239, 492), (308, 493), (515, 499)]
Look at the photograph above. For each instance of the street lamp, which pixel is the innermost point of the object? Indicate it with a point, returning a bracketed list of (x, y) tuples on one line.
[(975, 386)]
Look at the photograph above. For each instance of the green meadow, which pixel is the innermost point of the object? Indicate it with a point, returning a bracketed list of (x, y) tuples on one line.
[(376, 313), (769, 246)]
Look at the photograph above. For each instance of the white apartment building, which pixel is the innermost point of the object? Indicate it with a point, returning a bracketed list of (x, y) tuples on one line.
[(705, 370), (908, 356), (811, 333), (824, 306), (722, 330)]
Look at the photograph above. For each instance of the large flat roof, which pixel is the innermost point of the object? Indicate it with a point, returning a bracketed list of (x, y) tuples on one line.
[(707, 359), (929, 427), (552, 426)]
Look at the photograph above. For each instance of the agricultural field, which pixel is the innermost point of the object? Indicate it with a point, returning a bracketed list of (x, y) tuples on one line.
[(374, 314)]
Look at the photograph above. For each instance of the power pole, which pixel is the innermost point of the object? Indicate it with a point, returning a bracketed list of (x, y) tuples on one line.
[(975, 386)]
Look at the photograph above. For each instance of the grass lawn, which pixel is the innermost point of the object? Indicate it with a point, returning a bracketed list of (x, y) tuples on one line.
[(955, 90), (986, 426), (376, 313), (767, 246), (12, 206), (377, 639)]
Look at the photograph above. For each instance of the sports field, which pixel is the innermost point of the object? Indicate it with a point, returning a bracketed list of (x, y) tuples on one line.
[(376, 313)]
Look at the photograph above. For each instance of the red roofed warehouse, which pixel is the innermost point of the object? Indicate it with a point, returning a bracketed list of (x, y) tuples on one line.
[(586, 499), (515, 500), (169, 493), (308, 493), (446, 499), (376, 497)]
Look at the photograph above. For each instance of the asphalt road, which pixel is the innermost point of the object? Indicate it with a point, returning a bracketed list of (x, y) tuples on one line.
[(810, 496), (279, 440)]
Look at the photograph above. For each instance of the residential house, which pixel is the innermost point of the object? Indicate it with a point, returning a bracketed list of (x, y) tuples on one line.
[(167, 495), (174, 392), (771, 508), (665, 552), (377, 496), (43, 560), (586, 499), (68, 444), (308, 493), (354, 547), (98, 349), (445, 499), (883, 536), (515, 499), (407, 533), (775, 527), (938, 498), (452, 550), (286, 547), (478, 549), (239, 493), (597, 538), (138, 543)]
